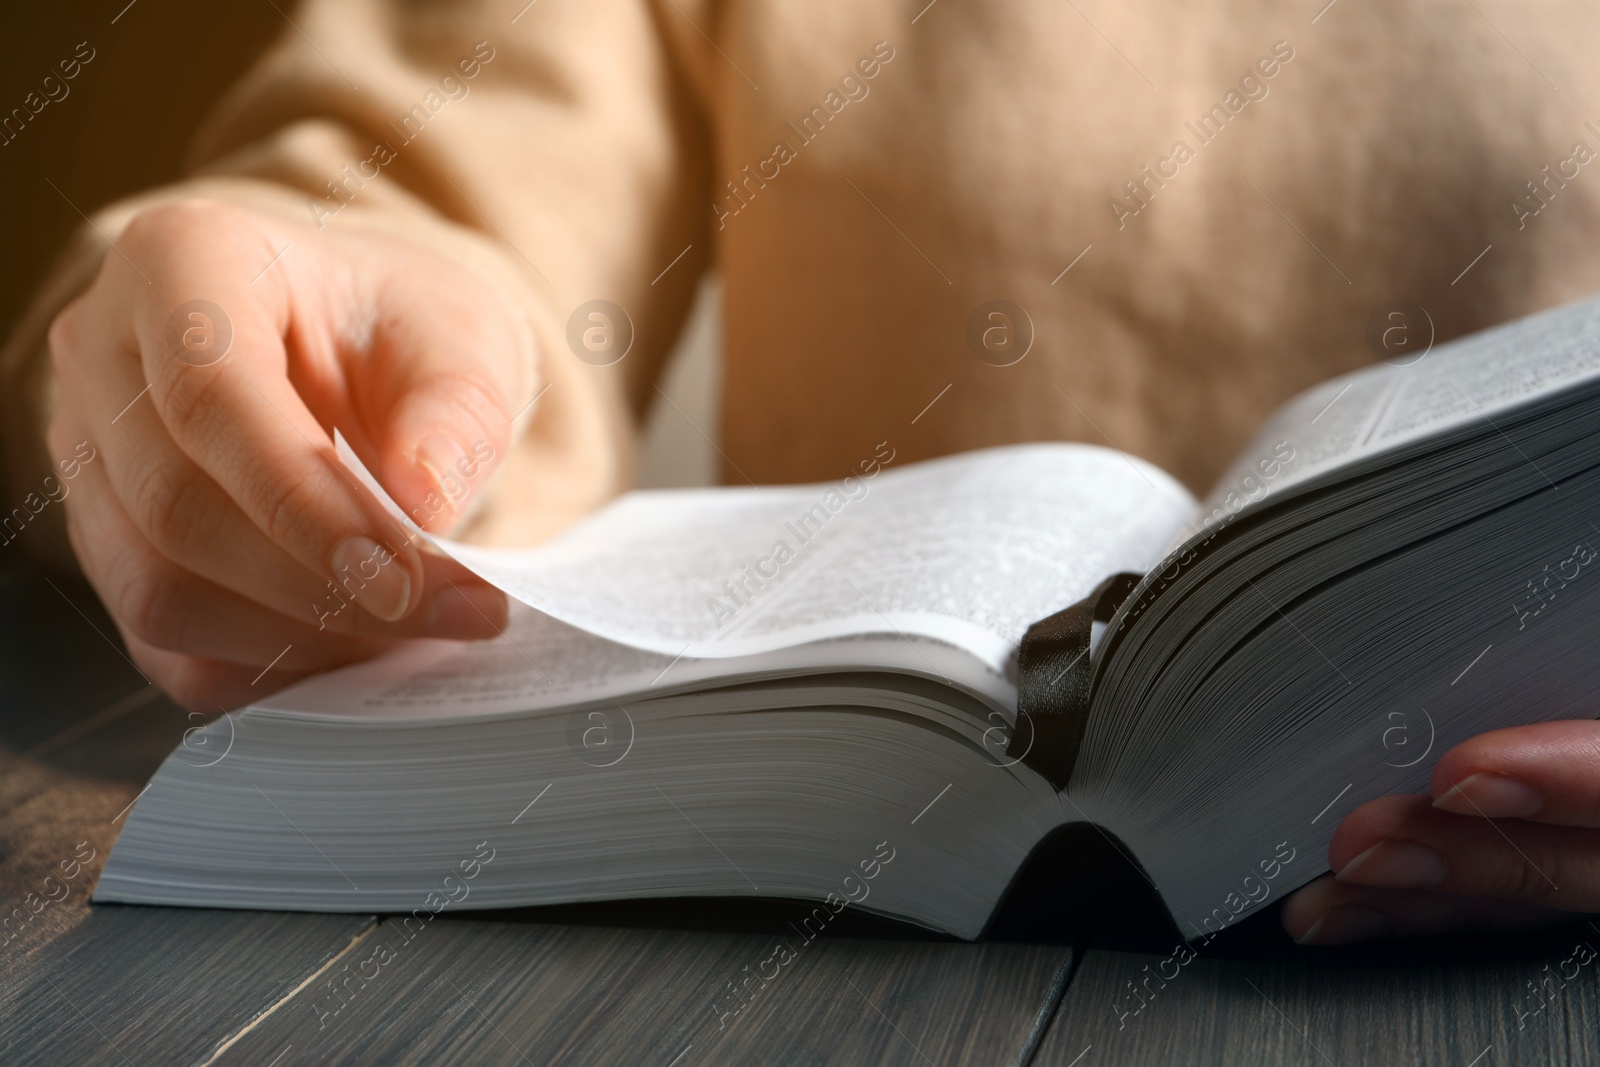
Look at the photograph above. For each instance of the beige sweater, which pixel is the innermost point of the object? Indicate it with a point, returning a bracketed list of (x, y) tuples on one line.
[(1235, 185)]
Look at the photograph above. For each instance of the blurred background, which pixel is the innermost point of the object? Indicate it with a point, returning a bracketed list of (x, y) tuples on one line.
[(125, 123)]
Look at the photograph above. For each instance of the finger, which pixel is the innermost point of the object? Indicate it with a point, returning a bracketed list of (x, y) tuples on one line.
[(237, 416), (1548, 772), (177, 507), (187, 517), (1406, 843), (462, 606), (1330, 912), (205, 685), (437, 391), (166, 607)]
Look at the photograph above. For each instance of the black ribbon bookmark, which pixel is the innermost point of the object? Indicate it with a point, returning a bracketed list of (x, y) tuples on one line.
[(1054, 675)]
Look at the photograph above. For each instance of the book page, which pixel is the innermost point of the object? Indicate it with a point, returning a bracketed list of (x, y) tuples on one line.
[(1472, 379), (969, 550), (541, 664)]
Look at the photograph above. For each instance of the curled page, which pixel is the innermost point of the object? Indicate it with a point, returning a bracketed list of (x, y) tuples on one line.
[(967, 550)]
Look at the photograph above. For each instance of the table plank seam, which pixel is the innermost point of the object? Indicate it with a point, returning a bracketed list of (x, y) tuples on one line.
[(235, 1038), (1055, 995)]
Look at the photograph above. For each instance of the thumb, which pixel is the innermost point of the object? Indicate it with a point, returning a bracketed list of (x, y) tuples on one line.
[(455, 365), (446, 434)]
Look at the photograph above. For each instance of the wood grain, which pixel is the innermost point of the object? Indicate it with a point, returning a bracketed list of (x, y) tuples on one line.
[(1459, 1001), (650, 983), (470, 991), (80, 732)]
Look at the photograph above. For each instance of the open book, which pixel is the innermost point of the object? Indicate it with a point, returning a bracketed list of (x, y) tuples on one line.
[(813, 692)]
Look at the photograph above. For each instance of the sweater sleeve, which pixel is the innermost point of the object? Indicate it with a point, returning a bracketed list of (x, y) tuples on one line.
[(561, 149)]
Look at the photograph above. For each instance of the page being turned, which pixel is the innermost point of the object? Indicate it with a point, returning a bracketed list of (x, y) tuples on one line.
[(969, 550)]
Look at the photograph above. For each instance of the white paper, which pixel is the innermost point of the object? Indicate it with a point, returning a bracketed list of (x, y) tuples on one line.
[(968, 550), (1473, 379)]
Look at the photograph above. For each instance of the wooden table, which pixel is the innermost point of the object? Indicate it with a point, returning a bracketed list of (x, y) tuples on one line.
[(81, 732)]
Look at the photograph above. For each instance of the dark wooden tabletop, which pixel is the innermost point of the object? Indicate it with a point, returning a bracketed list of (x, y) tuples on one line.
[(81, 732)]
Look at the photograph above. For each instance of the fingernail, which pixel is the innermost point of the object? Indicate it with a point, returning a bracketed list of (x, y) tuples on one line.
[(439, 456), (1492, 796), (470, 613), (1396, 865), (1346, 924), (371, 574)]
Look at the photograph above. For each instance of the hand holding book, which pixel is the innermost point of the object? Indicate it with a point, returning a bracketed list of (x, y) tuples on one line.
[(232, 556), (1508, 839), (1212, 720)]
